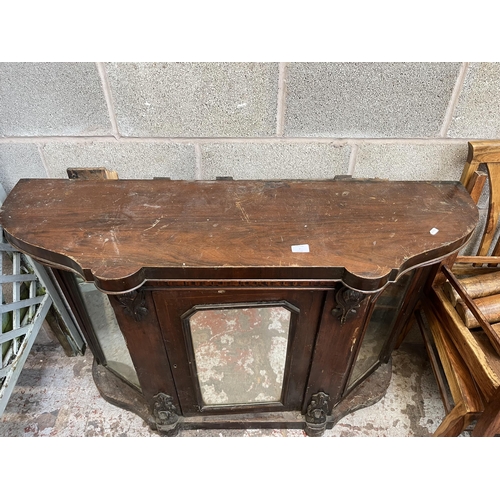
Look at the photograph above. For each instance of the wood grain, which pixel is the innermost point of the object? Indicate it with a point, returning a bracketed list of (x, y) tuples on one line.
[(475, 309), (489, 306), (474, 346), (122, 233), (461, 384), (479, 152), (171, 306), (476, 185), (477, 286), (488, 424), (484, 151), (470, 355)]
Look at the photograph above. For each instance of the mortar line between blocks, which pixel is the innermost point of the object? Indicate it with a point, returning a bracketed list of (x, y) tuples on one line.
[(455, 95), (281, 107), (198, 170), (352, 159), (109, 98), (336, 141), (43, 159)]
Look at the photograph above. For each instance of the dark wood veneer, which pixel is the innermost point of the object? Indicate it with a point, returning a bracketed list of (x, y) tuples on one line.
[(163, 248), (121, 233)]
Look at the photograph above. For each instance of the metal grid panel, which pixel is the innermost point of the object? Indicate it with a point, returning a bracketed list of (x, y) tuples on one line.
[(23, 307), (26, 295)]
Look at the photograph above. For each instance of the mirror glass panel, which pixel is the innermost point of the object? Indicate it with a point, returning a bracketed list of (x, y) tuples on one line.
[(240, 353), (108, 332), (380, 327)]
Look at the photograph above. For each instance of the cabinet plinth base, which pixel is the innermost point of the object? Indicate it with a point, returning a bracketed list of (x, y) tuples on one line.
[(115, 391), (120, 394)]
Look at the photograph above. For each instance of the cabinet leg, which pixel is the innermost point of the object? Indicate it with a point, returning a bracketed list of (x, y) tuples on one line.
[(316, 414), (165, 415)]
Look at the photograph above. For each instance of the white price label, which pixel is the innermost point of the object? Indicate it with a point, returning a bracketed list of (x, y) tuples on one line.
[(300, 248)]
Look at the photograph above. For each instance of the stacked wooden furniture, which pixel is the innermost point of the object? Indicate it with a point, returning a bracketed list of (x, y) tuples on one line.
[(463, 313)]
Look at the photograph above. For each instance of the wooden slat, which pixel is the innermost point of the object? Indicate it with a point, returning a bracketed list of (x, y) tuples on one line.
[(455, 422), (493, 209), (479, 152), (488, 424), (480, 357), (480, 317), (460, 380), (482, 285), (484, 151), (440, 378), (489, 307), (478, 259), (476, 185), (468, 172)]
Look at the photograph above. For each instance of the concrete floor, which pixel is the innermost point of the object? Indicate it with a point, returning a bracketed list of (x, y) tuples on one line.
[(56, 396)]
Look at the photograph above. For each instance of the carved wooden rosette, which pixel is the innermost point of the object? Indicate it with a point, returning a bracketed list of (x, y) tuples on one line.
[(165, 414), (134, 304), (348, 302), (316, 414)]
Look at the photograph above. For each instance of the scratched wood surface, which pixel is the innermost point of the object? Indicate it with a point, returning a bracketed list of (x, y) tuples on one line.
[(121, 233)]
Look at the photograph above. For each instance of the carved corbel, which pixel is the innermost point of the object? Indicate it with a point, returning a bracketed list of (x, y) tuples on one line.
[(165, 414), (316, 414), (348, 302), (134, 304)]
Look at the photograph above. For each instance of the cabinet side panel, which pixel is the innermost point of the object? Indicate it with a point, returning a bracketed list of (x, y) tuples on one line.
[(144, 341), (335, 348)]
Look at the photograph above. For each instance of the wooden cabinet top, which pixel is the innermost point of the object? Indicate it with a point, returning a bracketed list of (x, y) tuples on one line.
[(121, 233)]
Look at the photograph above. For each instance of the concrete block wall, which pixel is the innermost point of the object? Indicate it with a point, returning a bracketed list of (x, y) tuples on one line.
[(247, 120)]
